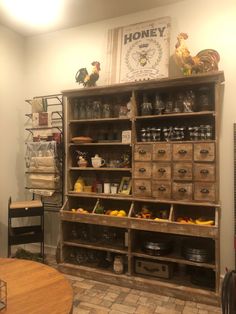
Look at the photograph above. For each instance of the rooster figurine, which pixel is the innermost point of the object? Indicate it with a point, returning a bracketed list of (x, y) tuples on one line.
[(82, 76), (205, 61)]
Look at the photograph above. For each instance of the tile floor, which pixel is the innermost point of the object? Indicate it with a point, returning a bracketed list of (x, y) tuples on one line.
[(92, 297)]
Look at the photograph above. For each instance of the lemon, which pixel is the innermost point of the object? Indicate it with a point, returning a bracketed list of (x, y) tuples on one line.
[(114, 213), (122, 213)]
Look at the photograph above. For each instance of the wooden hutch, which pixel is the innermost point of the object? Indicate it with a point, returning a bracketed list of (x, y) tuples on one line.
[(167, 232)]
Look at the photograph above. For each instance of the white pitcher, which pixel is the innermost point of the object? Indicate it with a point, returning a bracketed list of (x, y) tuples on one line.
[(97, 161)]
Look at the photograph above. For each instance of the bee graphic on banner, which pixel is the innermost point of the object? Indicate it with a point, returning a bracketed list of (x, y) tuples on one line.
[(139, 51)]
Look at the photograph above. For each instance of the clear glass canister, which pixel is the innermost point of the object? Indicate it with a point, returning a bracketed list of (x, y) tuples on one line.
[(118, 265)]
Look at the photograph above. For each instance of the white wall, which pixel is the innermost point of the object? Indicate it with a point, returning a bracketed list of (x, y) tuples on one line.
[(53, 59), (11, 124)]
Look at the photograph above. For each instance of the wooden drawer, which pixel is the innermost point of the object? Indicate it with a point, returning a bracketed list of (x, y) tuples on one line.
[(161, 171), (182, 191), (204, 152), (182, 152), (204, 192), (182, 171), (162, 152), (204, 172), (26, 209), (142, 188), (143, 152), (142, 170), (161, 189)]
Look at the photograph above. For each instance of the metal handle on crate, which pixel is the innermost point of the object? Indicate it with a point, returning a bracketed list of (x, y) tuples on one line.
[(162, 170), (204, 151), (151, 270), (182, 190), (204, 171), (182, 151), (161, 151), (161, 189), (182, 171), (205, 191), (142, 152), (142, 188), (142, 170)]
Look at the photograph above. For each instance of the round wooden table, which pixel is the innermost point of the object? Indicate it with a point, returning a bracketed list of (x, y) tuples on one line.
[(35, 288)]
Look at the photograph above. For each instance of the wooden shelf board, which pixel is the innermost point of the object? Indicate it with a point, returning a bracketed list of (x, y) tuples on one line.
[(96, 245), (101, 195), (99, 120), (177, 142), (175, 258), (172, 115), (100, 169), (175, 81), (140, 199), (141, 224), (174, 228), (100, 144), (96, 219), (182, 290)]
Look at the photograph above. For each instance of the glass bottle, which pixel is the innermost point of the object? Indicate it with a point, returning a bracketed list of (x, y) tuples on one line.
[(76, 110), (89, 109), (158, 106), (146, 107), (82, 110), (178, 104), (97, 110), (204, 99), (106, 111), (118, 265), (189, 101), (116, 107), (169, 105)]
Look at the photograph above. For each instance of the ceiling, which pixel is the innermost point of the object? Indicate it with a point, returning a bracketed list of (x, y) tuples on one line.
[(78, 12)]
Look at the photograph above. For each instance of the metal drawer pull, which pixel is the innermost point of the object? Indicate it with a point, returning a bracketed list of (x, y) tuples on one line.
[(182, 190), (182, 171), (142, 170), (142, 152), (204, 151), (151, 270), (142, 188), (161, 189), (161, 151), (204, 171), (161, 170), (205, 191), (182, 152)]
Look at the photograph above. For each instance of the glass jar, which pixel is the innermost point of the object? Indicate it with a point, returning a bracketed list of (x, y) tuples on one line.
[(169, 105), (178, 104), (146, 107), (204, 99), (82, 110), (106, 111), (158, 106), (189, 101), (118, 265), (89, 109), (76, 110), (97, 110)]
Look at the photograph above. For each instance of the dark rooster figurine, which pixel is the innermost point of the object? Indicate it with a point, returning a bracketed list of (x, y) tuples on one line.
[(82, 76), (205, 61)]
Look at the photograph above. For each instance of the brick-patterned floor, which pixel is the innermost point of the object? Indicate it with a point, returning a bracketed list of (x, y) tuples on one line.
[(92, 297)]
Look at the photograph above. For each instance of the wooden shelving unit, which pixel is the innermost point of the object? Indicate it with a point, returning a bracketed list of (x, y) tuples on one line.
[(179, 178)]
